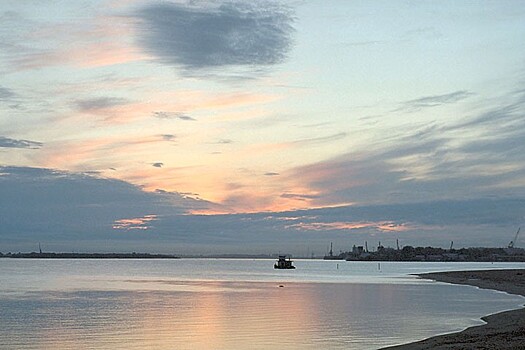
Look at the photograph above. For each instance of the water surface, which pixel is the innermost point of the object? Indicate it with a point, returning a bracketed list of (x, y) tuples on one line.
[(232, 304)]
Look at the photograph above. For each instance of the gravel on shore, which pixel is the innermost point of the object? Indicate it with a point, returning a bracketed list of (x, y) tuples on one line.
[(504, 330)]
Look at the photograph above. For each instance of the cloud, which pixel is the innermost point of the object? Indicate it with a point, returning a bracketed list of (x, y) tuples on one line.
[(112, 110), (114, 151), (173, 115), (28, 42), (298, 196), (82, 212), (158, 165), (508, 116), (6, 142), (221, 142), (224, 142), (479, 155), (9, 97), (434, 101), (6, 94), (47, 201), (382, 226), (168, 137), (322, 139), (140, 223), (215, 35), (190, 201), (100, 103)]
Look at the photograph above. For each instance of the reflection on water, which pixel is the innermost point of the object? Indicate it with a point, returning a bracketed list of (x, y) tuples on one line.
[(233, 315), (145, 305)]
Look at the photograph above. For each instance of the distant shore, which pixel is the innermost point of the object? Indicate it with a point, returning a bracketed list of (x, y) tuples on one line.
[(134, 255), (504, 330), (88, 256)]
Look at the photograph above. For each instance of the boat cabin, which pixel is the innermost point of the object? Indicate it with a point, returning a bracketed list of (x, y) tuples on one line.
[(283, 263)]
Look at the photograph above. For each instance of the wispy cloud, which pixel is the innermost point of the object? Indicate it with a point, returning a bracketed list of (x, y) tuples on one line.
[(9, 98), (168, 137), (434, 101), (173, 115), (29, 42), (6, 94), (111, 110), (99, 103), (298, 196), (429, 161), (382, 226), (99, 153), (506, 116), (200, 36), (140, 223), (6, 142), (321, 139)]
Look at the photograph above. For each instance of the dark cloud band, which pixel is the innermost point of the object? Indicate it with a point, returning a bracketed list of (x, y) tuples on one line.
[(6, 142), (201, 37)]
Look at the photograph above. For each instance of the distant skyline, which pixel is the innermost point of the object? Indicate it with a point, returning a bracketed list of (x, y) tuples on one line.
[(234, 126)]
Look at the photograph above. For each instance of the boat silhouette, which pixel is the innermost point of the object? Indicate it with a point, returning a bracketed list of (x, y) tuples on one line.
[(283, 263)]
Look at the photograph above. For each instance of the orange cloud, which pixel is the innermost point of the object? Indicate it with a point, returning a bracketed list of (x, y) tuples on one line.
[(393, 227), (118, 113), (201, 100), (103, 54), (101, 153), (140, 223), (152, 102), (383, 226)]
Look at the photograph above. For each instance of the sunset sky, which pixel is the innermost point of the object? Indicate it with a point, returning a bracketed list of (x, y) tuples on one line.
[(240, 126)]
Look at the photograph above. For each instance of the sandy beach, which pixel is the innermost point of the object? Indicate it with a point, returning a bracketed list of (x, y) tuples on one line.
[(505, 330)]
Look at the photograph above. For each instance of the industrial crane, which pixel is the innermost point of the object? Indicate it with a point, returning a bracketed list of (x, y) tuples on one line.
[(511, 244)]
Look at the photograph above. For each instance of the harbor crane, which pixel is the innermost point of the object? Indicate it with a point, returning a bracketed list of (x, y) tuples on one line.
[(511, 244)]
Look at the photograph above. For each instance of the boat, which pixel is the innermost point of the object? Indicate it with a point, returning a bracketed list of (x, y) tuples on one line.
[(283, 263)]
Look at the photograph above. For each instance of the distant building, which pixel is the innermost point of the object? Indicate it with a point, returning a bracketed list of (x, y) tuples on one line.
[(358, 251)]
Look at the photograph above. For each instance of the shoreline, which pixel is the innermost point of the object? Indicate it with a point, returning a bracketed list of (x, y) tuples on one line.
[(503, 330), (34, 255)]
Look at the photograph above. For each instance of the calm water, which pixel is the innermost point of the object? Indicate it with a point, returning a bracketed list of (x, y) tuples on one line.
[(232, 304)]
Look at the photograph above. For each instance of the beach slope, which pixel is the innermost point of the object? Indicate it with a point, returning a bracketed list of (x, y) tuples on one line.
[(504, 330)]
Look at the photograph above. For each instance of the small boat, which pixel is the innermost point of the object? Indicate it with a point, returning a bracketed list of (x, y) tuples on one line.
[(283, 263)]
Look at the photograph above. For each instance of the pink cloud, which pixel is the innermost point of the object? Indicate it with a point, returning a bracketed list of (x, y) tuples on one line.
[(107, 40), (140, 223), (382, 226)]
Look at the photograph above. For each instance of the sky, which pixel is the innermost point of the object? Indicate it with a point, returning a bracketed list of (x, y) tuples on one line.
[(204, 127)]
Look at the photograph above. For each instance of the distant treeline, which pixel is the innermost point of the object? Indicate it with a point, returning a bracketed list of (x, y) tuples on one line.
[(35, 255)]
